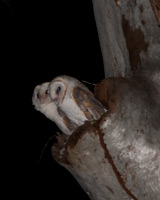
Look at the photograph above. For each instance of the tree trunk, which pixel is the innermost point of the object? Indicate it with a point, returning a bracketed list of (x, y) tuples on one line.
[(129, 35), (118, 156)]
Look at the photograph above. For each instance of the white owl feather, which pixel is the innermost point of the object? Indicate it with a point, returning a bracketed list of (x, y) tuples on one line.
[(42, 101)]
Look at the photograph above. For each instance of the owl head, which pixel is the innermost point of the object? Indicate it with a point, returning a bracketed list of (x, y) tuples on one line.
[(41, 97), (42, 101), (63, 86)]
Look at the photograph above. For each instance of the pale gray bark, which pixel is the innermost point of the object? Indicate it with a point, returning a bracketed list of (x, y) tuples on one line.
[(118, 156), (129, 35)]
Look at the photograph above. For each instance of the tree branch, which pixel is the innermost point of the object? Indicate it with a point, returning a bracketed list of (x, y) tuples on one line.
[(129, 35), (118, 156)]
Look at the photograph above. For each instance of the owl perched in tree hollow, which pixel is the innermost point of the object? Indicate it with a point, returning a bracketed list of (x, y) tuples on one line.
[(42, 101), (75, 99)]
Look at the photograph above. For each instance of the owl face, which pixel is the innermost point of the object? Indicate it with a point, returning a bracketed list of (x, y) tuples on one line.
[(43, 103), (41, 97), (58, 88), (75, 99)]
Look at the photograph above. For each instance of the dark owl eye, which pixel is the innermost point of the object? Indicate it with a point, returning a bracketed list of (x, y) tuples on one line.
[(58, 90), (38, 96), (47, 91)]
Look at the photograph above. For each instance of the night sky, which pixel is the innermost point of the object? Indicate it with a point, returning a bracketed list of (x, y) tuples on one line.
[(43, 39)]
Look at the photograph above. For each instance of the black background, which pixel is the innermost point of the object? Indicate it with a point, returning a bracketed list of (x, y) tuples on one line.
[(40, 40)]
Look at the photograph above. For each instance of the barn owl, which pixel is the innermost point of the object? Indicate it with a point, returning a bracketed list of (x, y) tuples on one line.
[(75, 99), (43, 103)]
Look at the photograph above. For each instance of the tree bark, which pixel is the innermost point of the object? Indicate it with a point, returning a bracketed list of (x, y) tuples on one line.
[(128, 34), (118, 156)]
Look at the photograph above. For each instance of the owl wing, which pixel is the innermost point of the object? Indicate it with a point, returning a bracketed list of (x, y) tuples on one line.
[(71, 126), (86, 101)]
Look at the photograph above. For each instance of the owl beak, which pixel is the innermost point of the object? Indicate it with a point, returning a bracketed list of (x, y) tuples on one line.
[(56, 101)]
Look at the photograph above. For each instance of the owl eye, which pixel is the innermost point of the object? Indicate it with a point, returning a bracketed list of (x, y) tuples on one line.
[(58, 90), (47, 91), (38, 96)]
